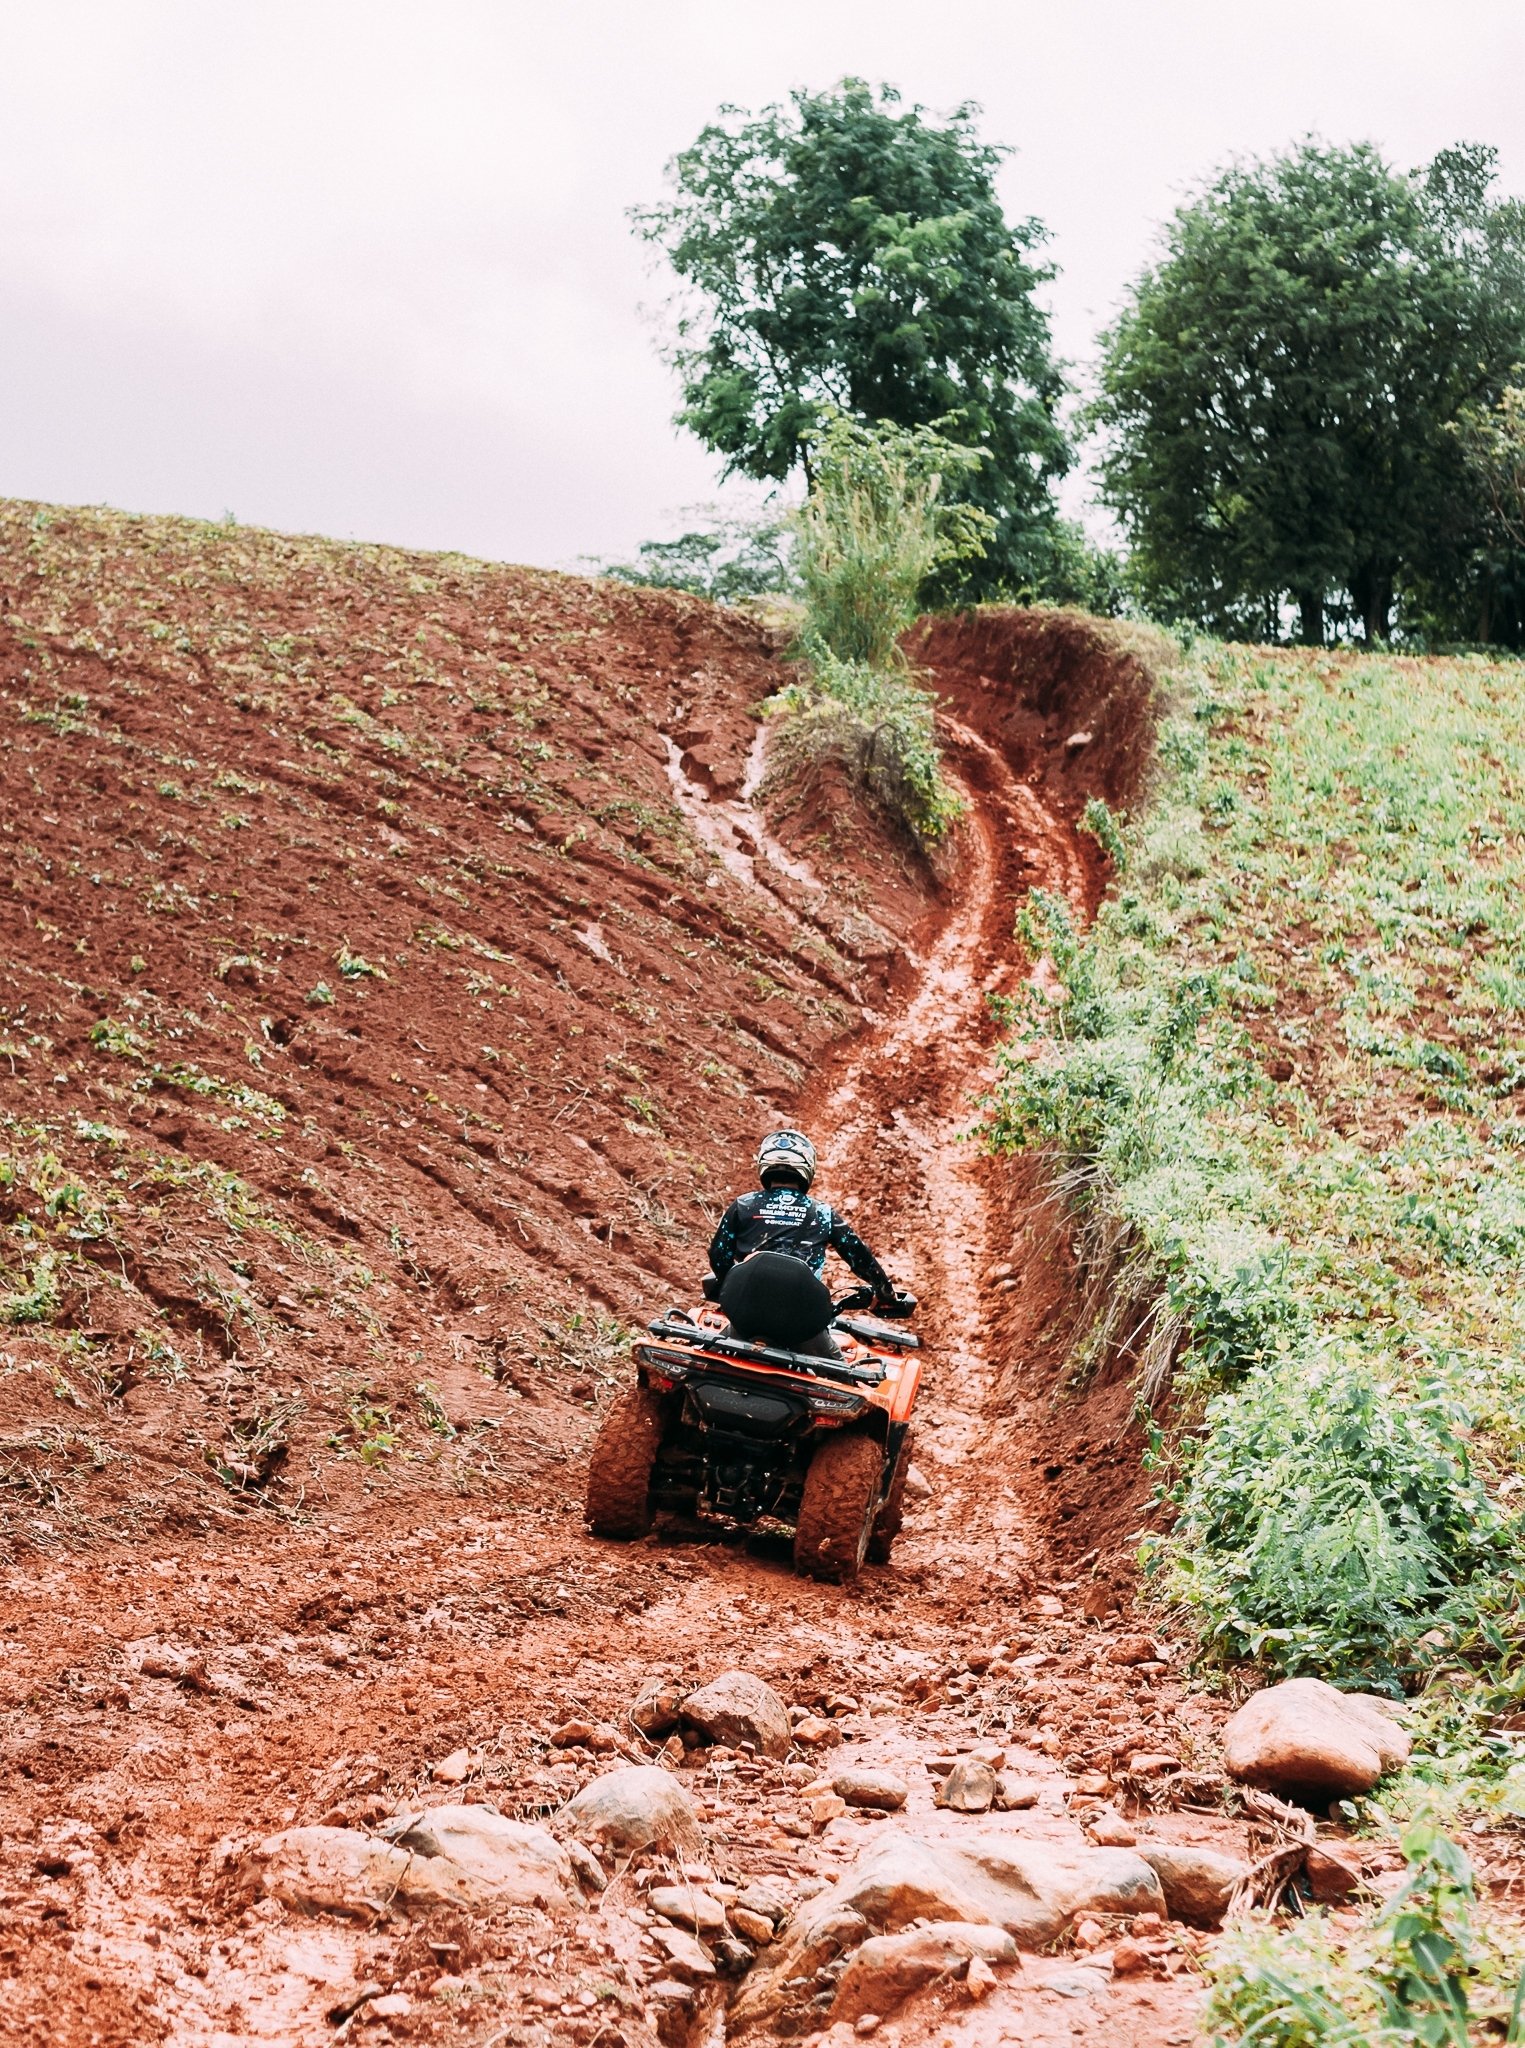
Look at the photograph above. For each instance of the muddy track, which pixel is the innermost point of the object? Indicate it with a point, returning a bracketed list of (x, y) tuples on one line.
[(206, 1706)]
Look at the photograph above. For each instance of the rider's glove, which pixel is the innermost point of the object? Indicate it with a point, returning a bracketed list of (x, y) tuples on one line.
[(710, 1287)]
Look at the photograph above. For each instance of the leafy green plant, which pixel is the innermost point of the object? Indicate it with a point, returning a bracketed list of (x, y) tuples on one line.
[(1428, 1972), (873, 530), (1323, 1519)]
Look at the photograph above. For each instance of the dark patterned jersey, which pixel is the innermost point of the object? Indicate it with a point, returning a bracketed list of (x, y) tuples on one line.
[(786, 1219)]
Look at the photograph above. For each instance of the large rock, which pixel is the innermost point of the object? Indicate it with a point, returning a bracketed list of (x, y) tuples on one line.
[(643, 1807), (1034, 1890), (462, 1856), (887, 1969), (501, 1862), (690, 1905), (1197, 1883), (1306, 1740), (738, 1707), (878, 1791)]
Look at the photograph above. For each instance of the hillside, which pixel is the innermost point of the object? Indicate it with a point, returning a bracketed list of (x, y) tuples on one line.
[(376, 1033), (404, 954)]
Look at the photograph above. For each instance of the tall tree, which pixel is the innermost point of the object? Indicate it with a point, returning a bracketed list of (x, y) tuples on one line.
[(845, 251), (1276, 394)]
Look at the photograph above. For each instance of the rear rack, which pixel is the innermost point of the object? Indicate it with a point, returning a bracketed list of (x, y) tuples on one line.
[(676, 1326)]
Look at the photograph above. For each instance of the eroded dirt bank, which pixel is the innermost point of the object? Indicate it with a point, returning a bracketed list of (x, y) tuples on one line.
[(197, 1658)]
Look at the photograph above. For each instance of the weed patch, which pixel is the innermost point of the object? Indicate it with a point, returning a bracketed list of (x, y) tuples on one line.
[(1282, 1098)]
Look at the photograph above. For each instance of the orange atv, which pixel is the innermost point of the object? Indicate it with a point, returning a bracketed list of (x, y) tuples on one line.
[(721, 1426)]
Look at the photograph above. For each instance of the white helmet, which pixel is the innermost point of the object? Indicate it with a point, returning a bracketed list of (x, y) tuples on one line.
[(789, 1152)]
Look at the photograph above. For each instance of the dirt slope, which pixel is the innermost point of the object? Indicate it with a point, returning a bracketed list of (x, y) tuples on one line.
[(292, 1440)]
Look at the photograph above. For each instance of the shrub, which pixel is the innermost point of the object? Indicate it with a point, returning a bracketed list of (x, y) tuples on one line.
[(1324, 1518), (1420, 1976), (871, 532)]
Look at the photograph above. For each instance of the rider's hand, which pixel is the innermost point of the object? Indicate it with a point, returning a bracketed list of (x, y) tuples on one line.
[(710, 1287)]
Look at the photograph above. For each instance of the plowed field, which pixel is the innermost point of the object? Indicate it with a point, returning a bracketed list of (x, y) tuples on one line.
[(398, 973)]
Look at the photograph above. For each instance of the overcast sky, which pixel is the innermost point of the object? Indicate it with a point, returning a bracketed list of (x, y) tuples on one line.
[(362, 267)]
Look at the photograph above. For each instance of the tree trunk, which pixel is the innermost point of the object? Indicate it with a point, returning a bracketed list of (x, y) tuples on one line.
[(1310, 606)]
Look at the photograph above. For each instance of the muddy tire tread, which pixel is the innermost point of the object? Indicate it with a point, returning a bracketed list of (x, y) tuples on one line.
[(618, 1498), (830, 1538), (889, 1518)]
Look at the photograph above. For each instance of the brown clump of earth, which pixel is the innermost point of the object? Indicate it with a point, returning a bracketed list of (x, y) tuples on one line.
[(398, 977)]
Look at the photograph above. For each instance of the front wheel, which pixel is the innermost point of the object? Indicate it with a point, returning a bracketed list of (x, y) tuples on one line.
[(618, 1499), (837, 1507)]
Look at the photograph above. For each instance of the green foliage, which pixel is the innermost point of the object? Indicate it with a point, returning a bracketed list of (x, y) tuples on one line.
[(1327, 1516), (1429, 1972), (873, 529), (1279, 1086), (876, 525), (1277, 394), (847, 252), (727, 557)]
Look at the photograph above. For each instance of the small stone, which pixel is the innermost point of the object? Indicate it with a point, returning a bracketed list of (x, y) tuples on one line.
[(1076, 741), (879, 1791), (1129, 1957), (755, 1926), (1092, 1785), (979, 1978), (454, 1769), (1334, 1874), (917, 1484), (640, 1807), (1048, 1607), (815, 1732), (738, 1707), (890, 1968), (392, 2005), (1099, 1600), (968, 1788), (586, 1864), (1197, 1883), (690, 1905), (1014, 1794), (658, 1707), (1108, 1830), (825, 1809), (1089, 1934), (1133, 1650), (685, 1957), (761, 1896), (868, 2023), (573, 1735), (1150, 1763), (992, 1753)]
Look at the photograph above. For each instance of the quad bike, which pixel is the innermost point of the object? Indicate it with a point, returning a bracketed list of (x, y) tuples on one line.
[(721, 1426)]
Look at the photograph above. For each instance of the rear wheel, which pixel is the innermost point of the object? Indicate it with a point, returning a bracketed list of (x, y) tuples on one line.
[(618, 1499), (837, 1507), (887, 1522)]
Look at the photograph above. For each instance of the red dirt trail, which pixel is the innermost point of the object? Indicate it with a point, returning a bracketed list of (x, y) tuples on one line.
[(291, 1451)]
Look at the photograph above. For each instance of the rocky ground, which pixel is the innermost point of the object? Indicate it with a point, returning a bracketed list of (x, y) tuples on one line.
[(320, 1701)]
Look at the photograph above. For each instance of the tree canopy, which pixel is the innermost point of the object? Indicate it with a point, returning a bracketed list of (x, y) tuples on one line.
[(849, 252), (1276, 397)]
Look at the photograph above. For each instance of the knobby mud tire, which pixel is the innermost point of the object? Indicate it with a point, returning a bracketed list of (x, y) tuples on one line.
[(618, 1499), (889, 1518), (837, 1506)]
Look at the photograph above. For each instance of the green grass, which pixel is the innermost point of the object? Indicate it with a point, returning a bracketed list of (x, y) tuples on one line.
[(1284, 1089)]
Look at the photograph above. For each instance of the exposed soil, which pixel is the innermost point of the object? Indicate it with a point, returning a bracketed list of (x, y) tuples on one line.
[(293, 1449)]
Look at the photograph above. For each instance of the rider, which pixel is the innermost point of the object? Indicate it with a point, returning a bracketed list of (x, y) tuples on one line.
[(765, 1238)]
